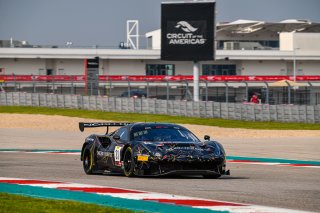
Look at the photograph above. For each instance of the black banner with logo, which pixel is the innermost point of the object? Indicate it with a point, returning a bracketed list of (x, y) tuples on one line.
[(187, 31), (92, 76)]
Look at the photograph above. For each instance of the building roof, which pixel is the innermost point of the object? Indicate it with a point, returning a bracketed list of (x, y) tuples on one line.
[(250, 26)]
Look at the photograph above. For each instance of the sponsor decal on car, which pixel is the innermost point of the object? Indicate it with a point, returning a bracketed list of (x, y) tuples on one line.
[(143, 157)]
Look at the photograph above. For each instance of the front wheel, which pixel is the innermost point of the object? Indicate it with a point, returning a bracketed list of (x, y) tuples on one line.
[(87, 162), (128, 163)]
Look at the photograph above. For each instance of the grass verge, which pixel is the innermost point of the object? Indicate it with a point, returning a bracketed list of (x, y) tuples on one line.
[(134, 117), (24, 204)]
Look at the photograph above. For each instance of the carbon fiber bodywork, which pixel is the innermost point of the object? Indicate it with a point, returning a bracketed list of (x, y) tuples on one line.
[(163, 155)]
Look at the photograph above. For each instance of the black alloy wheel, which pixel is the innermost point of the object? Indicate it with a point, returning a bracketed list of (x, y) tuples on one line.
[(87, 162), (128, 163)]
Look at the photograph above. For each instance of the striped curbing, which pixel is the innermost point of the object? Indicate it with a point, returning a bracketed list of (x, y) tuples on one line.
[(273, 161), (126, 198)]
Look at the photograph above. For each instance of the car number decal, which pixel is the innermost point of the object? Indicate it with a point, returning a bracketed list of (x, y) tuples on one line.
[(117, 153)]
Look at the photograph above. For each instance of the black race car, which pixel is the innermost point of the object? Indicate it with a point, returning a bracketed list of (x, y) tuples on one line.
[(151, 149)]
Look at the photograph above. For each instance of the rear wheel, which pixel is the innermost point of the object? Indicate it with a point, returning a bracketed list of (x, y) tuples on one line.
[(87, 162), (128, 163)]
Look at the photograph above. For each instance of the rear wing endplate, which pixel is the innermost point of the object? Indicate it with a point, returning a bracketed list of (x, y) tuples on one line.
[(83, 125)]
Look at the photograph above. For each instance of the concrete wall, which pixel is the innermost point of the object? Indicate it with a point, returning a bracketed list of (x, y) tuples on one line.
[(264, 67), (126, 67), (234, 111), (286, 41), (137, 67), (308, 67), (69, 66), (22, 66), (155, 39), (299, 41)]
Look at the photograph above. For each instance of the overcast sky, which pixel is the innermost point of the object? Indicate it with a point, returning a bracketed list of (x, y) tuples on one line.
[(103, 22)]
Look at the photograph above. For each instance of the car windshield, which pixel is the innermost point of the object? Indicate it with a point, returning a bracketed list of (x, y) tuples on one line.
[(163, 133)]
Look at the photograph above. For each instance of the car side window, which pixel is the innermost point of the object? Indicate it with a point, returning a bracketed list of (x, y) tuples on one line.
[(123, 133)]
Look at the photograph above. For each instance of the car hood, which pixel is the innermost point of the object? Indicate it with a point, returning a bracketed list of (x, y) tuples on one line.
[(176, 150)]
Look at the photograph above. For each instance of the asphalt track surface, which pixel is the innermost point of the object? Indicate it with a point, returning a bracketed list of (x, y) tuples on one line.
[(276, 186)]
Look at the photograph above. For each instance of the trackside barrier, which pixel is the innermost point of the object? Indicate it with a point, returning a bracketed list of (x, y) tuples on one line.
[(209, 109)]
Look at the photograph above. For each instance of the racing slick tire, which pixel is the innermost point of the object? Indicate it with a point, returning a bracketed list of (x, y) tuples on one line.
[(87, 162), (128, 163)]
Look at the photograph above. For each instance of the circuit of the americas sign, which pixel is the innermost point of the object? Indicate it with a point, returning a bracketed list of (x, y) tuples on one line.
[(187, 31)]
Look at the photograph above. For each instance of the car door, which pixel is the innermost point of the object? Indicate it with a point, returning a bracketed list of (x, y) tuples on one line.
[(118, 145)]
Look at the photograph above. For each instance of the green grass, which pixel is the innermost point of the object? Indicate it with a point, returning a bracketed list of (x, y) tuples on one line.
[(134, 117), (24, 204)]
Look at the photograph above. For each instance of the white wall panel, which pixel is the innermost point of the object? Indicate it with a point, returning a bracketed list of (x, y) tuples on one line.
[(20, 66), (263, 67), (126, 67)]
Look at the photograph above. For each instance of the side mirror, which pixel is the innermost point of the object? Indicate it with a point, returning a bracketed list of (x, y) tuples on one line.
[(207, 137), (116, 137)]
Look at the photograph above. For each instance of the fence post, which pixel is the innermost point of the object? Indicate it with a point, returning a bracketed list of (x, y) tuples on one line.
[(53, 85), (96, 102), (289, 92), (267, 92), (64, 100), (12, 99), (247, 91), (206, 91), (46, 99), (129, 89), (110, 87), (147, 88), (6, 94), (312, 101), (306, 113), (141, 105), (57, 100), (72, 89), (167, 90), (15, 82), (33, 84), (227, 92)]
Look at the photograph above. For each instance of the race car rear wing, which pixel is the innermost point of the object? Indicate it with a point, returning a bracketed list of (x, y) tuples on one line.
[(83, 125)]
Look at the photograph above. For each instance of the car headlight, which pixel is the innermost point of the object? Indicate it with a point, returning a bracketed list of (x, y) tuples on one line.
[(158, 155)]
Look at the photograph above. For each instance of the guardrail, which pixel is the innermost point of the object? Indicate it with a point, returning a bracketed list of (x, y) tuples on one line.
[(208, 109)]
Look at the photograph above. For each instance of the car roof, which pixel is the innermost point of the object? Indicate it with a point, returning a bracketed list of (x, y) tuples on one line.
[(152, 124)]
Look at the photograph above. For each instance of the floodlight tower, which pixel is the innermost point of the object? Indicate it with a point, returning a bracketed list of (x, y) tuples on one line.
[(133, 34)]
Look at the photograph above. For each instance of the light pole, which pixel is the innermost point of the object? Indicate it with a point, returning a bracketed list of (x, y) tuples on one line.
[(196, 70), (294, 64), (294, 55)]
